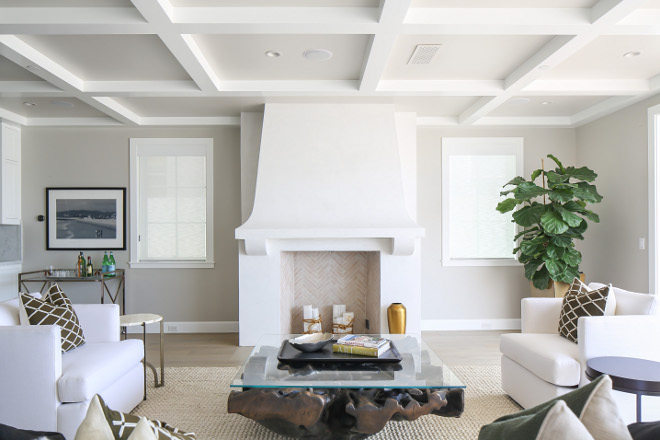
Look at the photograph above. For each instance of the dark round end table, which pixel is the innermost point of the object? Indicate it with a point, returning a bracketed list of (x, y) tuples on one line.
[(630, 375)]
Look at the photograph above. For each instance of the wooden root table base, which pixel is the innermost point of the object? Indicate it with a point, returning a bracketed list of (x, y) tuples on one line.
[(343, 414)]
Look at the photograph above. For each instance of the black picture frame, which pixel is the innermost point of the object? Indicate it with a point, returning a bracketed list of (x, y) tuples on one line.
[(86, 218)]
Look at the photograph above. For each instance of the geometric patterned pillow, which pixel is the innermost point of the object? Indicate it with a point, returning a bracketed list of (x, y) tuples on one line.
[(102, 422), (56, 296), (43, 312), (578, 302)]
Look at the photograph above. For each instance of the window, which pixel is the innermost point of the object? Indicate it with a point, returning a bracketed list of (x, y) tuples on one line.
[(473, 173), (171, 202)]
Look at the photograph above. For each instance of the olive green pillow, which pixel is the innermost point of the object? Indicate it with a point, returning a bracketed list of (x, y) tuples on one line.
[(592, 404)]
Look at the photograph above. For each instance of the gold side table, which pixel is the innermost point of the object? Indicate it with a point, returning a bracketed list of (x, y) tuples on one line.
[(143, 319)]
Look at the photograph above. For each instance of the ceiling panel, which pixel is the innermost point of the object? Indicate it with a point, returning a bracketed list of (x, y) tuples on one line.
[(64, 3), (463, 57), (604, 58), (275, 3), (50, 108), (242, 57), (503, 3), (10, 71), (192, 107), (110, 57), (547, 105)]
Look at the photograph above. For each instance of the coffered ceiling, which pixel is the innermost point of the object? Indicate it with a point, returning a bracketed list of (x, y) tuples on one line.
[(202, 62)]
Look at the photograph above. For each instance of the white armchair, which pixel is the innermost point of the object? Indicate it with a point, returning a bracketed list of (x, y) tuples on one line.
[(47, 390), (538, 364)]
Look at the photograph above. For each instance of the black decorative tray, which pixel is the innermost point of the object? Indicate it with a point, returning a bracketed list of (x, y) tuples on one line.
[(290, 355)]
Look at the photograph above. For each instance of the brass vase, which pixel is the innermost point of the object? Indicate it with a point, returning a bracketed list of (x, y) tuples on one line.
[(396, 318)]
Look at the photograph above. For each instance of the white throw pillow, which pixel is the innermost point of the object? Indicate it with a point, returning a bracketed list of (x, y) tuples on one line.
[(94, 426), (143, 431), (562, 423)]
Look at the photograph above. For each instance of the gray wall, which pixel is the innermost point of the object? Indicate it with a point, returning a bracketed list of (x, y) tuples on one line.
[(450, 292), (88, 157), (616, 147)]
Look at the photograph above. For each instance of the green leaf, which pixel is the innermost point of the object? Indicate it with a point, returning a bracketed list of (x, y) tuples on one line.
[(554, 177), (525, 232), (591, 216), (572, 206), (529, 248), (587, 193), (582, 173), (561, 195), (507, 205), (530, 268), (515, 181), (572, 257), (564, 242), (553, 224), (508, 191), (569, 274), (536, 174), (554, 252), (529, 215), (555, 267), (570, 218), (541, 279), (561, 167), (528, 190)]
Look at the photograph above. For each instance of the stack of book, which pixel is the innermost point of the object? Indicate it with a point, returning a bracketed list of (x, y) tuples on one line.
[(364, 345)]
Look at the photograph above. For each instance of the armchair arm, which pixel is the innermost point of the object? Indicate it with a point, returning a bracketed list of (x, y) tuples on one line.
[(540, 315), (100, 322), (31, 364), (618, 335)]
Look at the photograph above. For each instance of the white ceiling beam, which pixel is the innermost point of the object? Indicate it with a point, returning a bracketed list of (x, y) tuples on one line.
[(73, 122), (393, 14), (430, 121), (524, 121), (183, 47), (337, 16), (137, 88), (586, 87), (28, 87), (459, 87), (71, 21), (614, 104), (23, 54), (293, 86), (6, 115), (641, 17), (115, 110), (199, 120), (611, 12), (496, 21)]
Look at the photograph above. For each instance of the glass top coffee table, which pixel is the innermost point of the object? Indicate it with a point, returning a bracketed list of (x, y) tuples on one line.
[(343, 396)]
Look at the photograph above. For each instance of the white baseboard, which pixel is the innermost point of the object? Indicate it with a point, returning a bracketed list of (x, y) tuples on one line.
[(470, 324), (190, 327)]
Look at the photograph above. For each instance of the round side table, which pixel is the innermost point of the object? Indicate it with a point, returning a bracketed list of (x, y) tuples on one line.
[(630, 375), (143, 319)]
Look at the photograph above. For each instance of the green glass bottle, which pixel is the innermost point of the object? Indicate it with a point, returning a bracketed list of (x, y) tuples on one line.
[(105, 263), (112, 265)]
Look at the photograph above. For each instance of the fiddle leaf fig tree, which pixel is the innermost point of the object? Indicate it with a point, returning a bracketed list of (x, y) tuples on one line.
[(552, 216)]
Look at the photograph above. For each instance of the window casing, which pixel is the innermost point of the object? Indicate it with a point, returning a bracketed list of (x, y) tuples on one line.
[(171, 187), (474, 171)]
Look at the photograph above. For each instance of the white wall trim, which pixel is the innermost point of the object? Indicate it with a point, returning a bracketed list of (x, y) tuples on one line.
[(653, 126), (190, 327), (470, 324)]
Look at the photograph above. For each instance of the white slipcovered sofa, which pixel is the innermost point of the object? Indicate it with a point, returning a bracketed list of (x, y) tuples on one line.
[(43, 389), (538, 364)]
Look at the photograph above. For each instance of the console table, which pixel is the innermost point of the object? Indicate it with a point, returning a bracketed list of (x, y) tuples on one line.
[(336, 401), (112, 284)]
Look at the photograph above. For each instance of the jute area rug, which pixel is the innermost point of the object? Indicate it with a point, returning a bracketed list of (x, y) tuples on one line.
[(195, 399)]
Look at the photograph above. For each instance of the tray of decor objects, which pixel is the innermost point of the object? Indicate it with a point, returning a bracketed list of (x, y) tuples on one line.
[(290, 355)]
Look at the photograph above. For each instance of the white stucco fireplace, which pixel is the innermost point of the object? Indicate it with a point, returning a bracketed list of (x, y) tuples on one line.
[(335, 183)]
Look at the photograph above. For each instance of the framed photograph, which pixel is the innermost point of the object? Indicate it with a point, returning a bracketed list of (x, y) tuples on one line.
[(86, 218)]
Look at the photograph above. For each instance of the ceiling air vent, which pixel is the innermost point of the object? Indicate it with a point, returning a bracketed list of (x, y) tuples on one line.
[(424, 53)]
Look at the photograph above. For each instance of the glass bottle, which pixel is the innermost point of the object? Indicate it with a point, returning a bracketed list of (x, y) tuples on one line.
[(112, 265), (106, 263), (90, 268), (81, 269)]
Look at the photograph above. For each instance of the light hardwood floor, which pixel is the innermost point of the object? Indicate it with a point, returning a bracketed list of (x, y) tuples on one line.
[(222, 350)]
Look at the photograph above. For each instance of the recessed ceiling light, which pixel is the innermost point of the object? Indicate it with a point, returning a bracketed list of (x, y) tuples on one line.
[(546, 102), (62, 103), (273, 53), (631, 54), (517, 101), (317, 54), (29, 104)]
